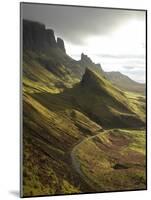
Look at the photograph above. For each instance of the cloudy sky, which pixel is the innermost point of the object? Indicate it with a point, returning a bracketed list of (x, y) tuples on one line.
[(114, 38)]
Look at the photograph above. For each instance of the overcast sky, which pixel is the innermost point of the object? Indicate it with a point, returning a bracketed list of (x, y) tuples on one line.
[(114, 38)]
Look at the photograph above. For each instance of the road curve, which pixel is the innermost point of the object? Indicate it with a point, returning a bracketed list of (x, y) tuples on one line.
[(75, 161)]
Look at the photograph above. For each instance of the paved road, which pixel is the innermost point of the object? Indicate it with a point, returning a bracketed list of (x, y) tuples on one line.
[(75, 160)]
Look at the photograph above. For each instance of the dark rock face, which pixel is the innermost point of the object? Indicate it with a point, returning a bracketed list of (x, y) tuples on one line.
[(86, 76), (89, 78), (86, 62), (60, 44), (85, 59), (51, 38), (36, 37)]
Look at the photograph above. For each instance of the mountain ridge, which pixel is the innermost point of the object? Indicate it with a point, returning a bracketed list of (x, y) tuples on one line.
[(125, 82), (42, 39)]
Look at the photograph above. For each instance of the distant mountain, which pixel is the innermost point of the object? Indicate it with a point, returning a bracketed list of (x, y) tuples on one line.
[(125, 83)]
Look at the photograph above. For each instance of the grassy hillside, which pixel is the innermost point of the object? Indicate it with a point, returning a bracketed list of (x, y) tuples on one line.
[(47, 144), (80, 132), (99, 100), (47, 72), (117, 161), (55, 123)]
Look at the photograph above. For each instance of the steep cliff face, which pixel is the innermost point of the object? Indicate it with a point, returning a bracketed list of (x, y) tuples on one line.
[(51, 55), (36, 37), (51, 38), (60, 44), (86, 62), (45, 60)]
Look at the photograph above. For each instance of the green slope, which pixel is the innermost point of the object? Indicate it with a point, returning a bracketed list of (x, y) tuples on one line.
[(117, 162), (55, 123), (66, 102), (43, 72), (49, 135), (98, 99), (55, 120)]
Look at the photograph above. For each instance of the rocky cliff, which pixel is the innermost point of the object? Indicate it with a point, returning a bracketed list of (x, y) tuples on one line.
[(37, 37), (60, 44)]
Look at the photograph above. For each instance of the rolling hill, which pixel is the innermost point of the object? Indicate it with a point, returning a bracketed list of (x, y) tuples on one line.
[(125, 83)]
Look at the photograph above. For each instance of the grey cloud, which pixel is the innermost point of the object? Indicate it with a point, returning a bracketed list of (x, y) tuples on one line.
[(127, 61), (134, 68), (129, 67), (74, 24), (123, 56)]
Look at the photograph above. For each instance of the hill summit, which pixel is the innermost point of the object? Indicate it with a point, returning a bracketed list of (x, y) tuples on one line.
[(90, 79)]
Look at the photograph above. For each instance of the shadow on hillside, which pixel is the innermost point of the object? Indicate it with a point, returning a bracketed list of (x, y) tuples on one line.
[(96, 107), (60, 101)]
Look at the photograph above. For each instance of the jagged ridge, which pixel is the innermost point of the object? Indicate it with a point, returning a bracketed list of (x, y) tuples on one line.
[(38, 38)]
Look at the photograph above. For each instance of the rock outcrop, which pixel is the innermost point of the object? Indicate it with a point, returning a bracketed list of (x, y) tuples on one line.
[(85, 59), (90, 79), (60, 44), (36, 37), (51, 38), (86, 62)]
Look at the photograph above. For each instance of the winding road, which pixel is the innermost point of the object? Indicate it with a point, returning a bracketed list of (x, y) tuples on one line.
[(75, 161)]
